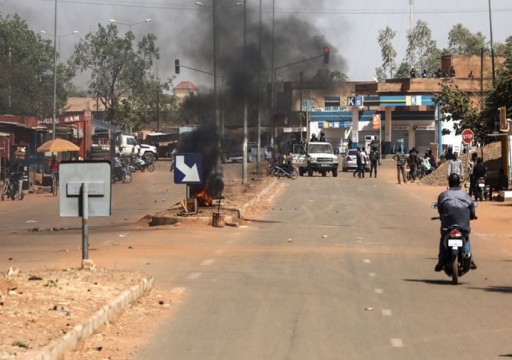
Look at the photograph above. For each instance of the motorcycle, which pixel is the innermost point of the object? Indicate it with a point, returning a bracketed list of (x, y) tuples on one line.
[(142, 165), (121, 173), (279, 172), (11, 188), (421, 171), (481, 191), (457, 261)]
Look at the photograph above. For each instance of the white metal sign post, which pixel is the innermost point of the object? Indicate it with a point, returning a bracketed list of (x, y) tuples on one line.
[(85, 189)]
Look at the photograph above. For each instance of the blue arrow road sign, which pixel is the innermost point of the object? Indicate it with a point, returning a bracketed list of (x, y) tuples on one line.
[(188, 168)]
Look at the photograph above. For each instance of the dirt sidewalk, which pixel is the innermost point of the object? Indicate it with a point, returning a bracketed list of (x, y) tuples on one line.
[(494, 223)]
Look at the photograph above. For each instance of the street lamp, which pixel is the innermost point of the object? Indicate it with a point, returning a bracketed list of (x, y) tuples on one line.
[(59, 36), (55, 37), (130, 24)]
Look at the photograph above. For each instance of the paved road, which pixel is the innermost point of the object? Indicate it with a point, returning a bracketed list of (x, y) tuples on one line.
[(148, 192), (338, 268)]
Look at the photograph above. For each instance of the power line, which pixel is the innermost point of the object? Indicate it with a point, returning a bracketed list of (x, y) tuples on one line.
[(326, 11), (128, 5)]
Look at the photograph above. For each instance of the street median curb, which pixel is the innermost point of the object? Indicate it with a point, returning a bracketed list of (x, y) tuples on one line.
[(58, 348)]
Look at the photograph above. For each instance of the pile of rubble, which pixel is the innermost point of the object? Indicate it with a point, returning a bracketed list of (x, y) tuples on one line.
[(438, 177)]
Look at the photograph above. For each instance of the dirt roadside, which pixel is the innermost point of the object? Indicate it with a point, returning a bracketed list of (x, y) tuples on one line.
[(34, 312)]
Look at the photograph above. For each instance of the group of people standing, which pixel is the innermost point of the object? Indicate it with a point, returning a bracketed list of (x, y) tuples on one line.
[(427, 164), (362, 159)]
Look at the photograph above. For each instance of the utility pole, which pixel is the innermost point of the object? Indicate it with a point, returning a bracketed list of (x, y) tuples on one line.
[(411, 26), (54, 118), (244, 147), (272, 81), (258, 149), (492, 48)]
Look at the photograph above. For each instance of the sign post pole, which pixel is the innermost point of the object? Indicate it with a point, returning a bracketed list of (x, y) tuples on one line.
[(467, 138)]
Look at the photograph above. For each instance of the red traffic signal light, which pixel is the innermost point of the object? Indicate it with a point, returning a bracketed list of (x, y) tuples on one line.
[(326, 55), (177, 66)]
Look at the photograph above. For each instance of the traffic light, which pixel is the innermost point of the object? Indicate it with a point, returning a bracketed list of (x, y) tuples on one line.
[(326, 55), (177, 66)]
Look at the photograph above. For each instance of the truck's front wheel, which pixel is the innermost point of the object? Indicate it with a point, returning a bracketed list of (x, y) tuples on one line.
[(149, 157), (310, 170), (301, 171), (335, 172)]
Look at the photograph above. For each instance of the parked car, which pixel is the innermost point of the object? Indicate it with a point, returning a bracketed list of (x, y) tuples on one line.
[(350, 161)]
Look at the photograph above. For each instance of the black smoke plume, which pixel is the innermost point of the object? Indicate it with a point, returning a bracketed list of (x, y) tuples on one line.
[(203, 140), (295, 39)]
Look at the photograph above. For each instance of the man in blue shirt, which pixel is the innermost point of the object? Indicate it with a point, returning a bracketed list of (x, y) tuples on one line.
[(455, 206)]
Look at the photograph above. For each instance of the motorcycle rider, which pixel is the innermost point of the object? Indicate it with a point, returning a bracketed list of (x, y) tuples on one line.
[(479, 171), (289, 163), (119, 168), (137, 160), (455, 206)]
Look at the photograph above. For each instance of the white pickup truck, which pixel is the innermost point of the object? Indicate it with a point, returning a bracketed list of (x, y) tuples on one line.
[(125, 144), (316, 157)]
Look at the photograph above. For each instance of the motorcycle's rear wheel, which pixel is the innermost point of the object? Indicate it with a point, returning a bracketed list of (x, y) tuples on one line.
[(127, 179), (455, 270), (294, 174), (151, 167)]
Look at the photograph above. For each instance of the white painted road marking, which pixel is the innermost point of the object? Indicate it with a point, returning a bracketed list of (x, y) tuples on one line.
[(397, 342), (386, 312), (207, 262), (379, 291), (178, 290), (195, 275), (367, 261)]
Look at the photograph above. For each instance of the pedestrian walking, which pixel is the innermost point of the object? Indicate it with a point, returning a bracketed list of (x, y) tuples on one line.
[(364, 159), (358, 161), (455, 166), (374, 161), (399, 157), (412, 161), (471, 166)]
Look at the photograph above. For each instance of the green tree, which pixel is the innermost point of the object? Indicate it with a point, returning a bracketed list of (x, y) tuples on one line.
[(403, 70), (462, 42), (457, 105), (388, 54), (26, 61), (422, 51), (326, 76), (117, 68), (149, 103), (501, 95), (504, 49)]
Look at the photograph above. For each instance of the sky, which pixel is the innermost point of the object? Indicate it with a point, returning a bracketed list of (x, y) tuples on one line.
[(302, 28)]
